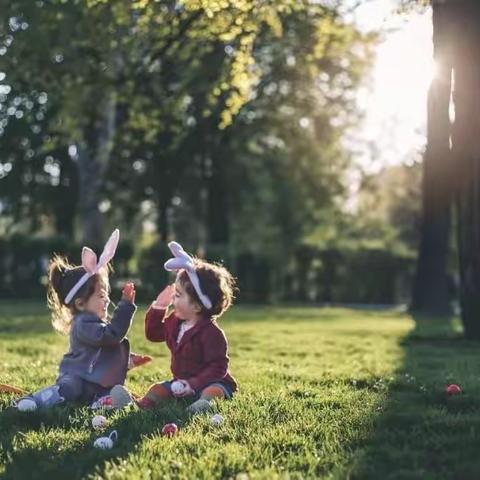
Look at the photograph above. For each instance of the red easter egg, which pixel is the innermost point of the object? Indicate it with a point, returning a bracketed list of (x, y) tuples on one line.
[(453, 389), (169, 430)]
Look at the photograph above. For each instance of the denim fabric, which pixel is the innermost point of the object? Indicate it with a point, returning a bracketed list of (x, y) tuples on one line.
[(74, 388)]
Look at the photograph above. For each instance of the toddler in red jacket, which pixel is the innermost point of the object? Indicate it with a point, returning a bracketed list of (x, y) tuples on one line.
[(199, 352)]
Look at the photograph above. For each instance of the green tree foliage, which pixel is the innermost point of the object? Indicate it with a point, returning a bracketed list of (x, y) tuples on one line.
[(282, 160), (221, 121), (388, 208)]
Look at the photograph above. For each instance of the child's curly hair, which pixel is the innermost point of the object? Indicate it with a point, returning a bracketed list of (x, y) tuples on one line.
[(62, 276), (217, 284)]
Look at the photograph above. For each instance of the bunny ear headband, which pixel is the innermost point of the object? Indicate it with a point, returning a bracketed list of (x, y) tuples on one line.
[(183, 261), (89, 263)]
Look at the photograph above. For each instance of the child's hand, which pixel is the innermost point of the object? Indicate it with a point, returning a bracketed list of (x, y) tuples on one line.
[(164, 298), (128, 292), (186, 392)]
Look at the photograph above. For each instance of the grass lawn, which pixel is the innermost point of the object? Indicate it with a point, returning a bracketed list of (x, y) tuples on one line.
[(325, 393)]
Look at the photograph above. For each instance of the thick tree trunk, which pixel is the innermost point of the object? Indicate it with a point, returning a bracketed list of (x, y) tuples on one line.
[(93, 158), (466, 151), (431, 292)]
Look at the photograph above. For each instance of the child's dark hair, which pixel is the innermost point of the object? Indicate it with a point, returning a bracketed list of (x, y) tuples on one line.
[(216, 282), (62, 276)]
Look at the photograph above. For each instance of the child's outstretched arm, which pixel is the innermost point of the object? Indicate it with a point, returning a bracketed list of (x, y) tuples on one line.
[(91, 330), (154, 319)]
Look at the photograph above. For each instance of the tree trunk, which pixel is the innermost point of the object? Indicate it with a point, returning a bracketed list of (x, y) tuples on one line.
[(431, 292), (217, 221), (466, 151), (93, 158), (163, 223), (66, 199)]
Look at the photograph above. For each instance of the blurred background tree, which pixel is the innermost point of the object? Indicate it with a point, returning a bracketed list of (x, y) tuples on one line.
[(219, 124)]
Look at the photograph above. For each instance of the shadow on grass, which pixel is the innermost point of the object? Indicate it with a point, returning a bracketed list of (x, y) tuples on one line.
[(420, 431), (76, 458), (58, 443)]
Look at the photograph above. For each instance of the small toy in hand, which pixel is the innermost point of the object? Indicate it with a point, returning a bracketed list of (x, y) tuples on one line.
[(99, 422), (453, 389), (170, 429), (177, 387), (106, 443)]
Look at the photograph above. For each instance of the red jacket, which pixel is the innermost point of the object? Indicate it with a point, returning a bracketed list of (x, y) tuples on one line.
[(201, 357)]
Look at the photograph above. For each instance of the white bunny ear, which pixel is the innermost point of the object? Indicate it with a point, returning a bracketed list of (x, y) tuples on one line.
[(89, 263), (184, 261), (176, 249), (109, 249), (89, 260), (181, 254), (174, 264)]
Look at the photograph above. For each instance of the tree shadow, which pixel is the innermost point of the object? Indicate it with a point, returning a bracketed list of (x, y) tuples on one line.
[(420, 431), (58, 442), (76, 459)]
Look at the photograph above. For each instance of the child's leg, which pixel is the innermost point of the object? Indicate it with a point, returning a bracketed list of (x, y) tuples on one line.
[(44, 398), (93, 391), (121, 397), (213, 391), (70, 387), (210, 392), (156, 394)]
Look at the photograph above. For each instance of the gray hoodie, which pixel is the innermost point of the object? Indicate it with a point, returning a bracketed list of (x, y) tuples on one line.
[(99, 350)]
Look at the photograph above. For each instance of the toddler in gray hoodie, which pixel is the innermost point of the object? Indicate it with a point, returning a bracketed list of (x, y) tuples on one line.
[(99, 354)]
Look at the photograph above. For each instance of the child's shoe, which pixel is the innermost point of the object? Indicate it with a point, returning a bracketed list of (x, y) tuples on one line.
[(102, 402), (120, 397), (25, 405), (200, 406), (136, 360)]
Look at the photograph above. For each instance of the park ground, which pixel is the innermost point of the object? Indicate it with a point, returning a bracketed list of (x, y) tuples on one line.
[(325, 393)]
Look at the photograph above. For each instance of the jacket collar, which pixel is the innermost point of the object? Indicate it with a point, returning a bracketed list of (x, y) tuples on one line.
[(198, 327)]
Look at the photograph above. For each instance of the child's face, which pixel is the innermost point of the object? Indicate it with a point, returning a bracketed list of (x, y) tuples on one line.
[(98, 302), (185, 307)]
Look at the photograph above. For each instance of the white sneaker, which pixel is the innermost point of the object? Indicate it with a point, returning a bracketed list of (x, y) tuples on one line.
[(121, 397), (26, 405), (200, 406)]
